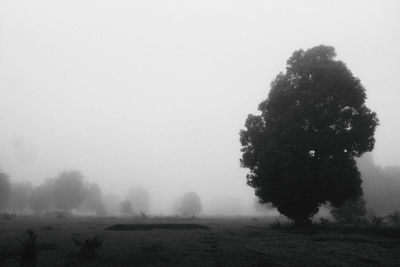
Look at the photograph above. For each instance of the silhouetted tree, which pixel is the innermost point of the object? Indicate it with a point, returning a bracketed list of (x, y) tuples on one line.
[(5, 188), (301, 150), (189, 205), (68, 190), (126, 207), (140, 199)]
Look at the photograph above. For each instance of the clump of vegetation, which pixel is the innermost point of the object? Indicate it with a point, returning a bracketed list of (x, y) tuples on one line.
[(88, 247), (351, 212), (29, 250), (394, 219)]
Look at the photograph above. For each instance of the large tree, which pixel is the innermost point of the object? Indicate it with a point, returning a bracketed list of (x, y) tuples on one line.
[(301, 149)]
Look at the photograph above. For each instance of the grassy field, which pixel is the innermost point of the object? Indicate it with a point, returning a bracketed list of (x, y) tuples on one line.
[(222, 242)]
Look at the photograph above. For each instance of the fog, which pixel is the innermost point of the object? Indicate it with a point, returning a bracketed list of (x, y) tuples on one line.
[(152, 94)]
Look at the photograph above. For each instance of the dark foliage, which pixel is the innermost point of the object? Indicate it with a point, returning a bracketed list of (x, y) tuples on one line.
[(88, 247), (29, 250), (301, 150), (350, 211)]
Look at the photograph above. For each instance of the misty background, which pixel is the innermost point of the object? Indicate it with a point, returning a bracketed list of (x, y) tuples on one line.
[(152, 94)]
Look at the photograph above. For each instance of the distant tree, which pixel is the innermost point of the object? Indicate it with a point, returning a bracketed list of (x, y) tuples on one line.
[(19, 197), (189, 205), (140, 199), (5, 188), (351, 211), (301, 150), (112, 204), (69, 190), (42, 197), (93, 200), (126, 207)]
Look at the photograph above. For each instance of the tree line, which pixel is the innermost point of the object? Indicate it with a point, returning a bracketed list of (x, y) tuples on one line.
[(70, 192)]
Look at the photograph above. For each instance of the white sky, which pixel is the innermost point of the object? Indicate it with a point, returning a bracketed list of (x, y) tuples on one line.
[(154, 93)]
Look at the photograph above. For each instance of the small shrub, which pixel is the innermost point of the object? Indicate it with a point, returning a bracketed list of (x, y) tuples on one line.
[(88, 247), (29, 249), (394, 219)]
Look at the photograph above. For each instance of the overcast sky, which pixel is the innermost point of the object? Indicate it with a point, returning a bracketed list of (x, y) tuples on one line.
[(154, 93)]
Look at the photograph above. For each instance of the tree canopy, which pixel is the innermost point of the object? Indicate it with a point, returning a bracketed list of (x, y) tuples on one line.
[(301, 149)]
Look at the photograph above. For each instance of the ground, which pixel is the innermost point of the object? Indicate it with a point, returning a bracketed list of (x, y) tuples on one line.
[(235, 241)]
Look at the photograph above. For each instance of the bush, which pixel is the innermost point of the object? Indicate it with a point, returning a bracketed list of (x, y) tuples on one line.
[(29, 249), (88, 246), (350, 211)]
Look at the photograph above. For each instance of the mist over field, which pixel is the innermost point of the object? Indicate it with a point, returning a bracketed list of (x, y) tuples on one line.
[(151, 95)]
